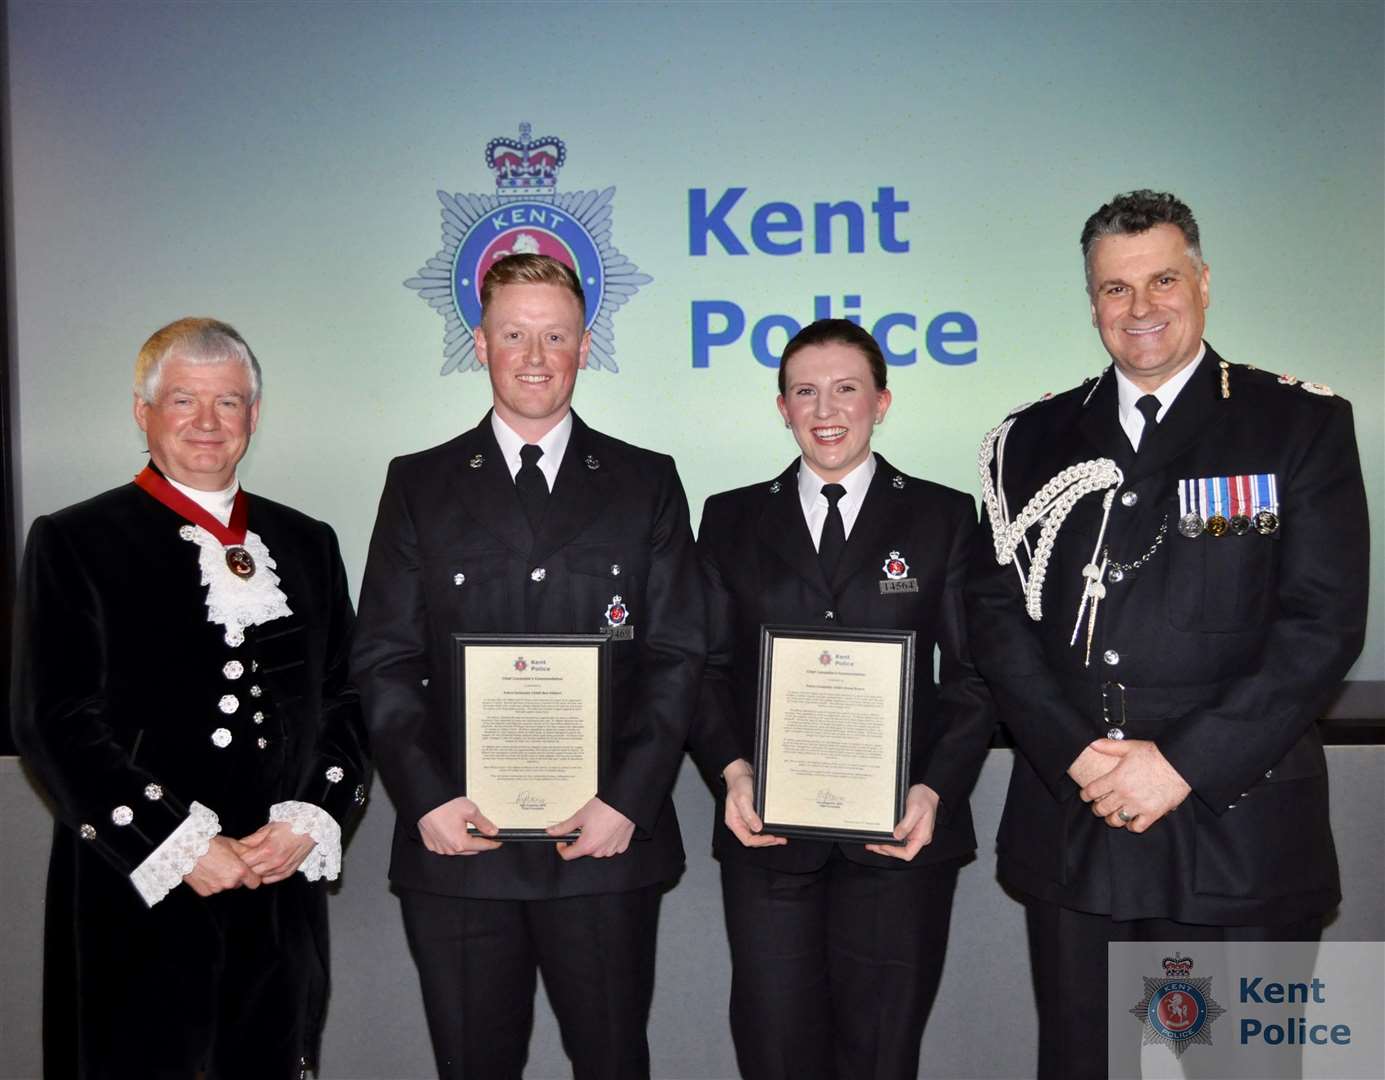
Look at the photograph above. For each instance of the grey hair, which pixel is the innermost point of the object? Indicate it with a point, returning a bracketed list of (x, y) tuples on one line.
[(194, 340), (1137, 212)]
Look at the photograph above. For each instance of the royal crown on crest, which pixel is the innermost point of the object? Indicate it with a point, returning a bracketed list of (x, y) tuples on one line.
[(525, 166), (1178, 966)]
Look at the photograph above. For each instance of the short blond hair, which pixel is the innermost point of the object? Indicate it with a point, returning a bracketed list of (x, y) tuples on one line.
[(531, 270), (195, 340)]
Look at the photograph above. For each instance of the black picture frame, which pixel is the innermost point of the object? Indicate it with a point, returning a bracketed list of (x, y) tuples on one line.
[(769, 634), (528, 642)]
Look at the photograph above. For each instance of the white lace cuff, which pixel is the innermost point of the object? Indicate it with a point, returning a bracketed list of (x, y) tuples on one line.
[(324, 861), (163, 871)]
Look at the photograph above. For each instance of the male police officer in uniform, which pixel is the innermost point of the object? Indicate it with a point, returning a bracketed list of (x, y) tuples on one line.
[(532, 523), (1162, 663)]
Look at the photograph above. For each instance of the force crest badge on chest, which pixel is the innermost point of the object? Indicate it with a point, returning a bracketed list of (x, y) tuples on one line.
[(617, 626), (897, 579)]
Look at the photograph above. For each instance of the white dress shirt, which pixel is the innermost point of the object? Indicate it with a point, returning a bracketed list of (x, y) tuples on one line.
[(1127, 393), (553, 445), (814, 502)]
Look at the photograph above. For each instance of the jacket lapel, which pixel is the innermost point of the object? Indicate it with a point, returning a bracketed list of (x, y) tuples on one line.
[(486, 491), (581, 492), (1100, 423), (783, 530), (878, 527)]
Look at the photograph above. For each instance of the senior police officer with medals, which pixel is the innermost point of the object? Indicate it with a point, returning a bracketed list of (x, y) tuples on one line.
[(837, 948), (1162, 658), (532, 523), (180, 692)]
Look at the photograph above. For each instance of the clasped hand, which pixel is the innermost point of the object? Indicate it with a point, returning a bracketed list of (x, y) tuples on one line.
[(1130, 776), (269, 854)]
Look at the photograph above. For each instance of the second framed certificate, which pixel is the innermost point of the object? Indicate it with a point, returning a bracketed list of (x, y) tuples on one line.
[(832, 745), (533, 726)]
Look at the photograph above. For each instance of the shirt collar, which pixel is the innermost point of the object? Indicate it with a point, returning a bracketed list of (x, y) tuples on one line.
[(1127, 393), (553, 444), (216, 503), (856, 482)]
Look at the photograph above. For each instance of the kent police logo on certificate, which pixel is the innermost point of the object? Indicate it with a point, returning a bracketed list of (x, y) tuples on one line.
[(1177, 1010), (526, 215)]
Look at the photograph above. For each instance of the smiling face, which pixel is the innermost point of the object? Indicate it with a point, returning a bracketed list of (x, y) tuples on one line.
[(831, 403), (200, 423), (532, 341), (1148, 301)]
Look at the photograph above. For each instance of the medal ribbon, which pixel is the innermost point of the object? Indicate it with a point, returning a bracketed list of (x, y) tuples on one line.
[(230, 535)]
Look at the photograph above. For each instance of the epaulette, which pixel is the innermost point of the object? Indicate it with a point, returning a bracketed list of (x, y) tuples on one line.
[(1051, 395), (1321, 389)]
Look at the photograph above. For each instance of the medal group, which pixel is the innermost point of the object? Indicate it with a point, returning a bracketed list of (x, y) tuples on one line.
[(1218, 505)]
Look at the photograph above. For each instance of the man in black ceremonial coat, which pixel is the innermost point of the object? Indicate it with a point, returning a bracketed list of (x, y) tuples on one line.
[(1162, 670), (532, 523), (180, 692)]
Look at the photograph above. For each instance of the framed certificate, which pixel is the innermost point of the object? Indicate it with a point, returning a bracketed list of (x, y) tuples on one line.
[(832, 741), (533, 719)]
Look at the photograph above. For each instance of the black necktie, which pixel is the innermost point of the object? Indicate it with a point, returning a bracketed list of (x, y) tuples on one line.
[(530, 484), (833, 531), (1149, 409)]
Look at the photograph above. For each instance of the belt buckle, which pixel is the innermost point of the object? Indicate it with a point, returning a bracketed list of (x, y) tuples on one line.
[(1114, 723)]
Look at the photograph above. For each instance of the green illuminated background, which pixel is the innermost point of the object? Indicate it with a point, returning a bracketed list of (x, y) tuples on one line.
[(276, 164)]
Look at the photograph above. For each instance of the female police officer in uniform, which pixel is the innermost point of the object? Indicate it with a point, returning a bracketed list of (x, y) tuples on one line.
[(837, 948)]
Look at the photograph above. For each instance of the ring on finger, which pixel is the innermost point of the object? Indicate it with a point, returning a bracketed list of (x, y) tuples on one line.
[(1125, 818)]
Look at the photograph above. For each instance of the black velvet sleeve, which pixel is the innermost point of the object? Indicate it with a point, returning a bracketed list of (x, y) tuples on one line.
[(339, 776), (61, 712)]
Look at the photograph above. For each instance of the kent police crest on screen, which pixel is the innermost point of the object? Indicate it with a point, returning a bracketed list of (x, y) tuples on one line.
[(724, 223)]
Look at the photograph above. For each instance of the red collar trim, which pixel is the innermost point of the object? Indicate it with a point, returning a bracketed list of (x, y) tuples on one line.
[(232, 534)]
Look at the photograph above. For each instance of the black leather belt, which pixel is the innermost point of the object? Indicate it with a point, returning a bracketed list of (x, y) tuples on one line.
[(1114, 704)]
